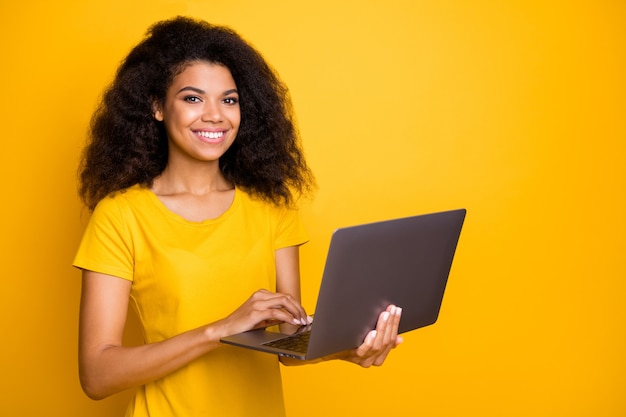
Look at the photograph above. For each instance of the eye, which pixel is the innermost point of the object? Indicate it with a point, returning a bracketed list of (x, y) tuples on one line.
[(192, 99), (231, 101)]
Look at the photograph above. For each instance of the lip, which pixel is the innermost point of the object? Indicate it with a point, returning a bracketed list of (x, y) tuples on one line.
[(211, 136)]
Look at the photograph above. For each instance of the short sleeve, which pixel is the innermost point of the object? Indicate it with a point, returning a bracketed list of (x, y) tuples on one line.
[(290, 231), (106, 246)]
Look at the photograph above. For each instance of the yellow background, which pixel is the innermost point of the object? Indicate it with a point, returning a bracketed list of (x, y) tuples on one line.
[(514, 110)]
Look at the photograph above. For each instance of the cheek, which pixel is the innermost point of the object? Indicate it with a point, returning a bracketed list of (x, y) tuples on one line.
[(236, 115), (181, 118)]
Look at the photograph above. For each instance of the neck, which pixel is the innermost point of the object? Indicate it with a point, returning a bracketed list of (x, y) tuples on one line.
[(196, 179)]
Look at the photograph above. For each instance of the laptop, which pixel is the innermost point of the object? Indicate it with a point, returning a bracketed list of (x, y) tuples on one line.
[(405, 262)]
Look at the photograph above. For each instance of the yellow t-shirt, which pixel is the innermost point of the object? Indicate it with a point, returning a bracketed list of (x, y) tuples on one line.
[(187, 274)]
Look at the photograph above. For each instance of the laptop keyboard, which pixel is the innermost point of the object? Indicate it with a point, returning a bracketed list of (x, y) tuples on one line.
[(297, 342)]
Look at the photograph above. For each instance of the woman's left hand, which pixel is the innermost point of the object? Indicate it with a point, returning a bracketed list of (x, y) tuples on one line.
[(379, 342)]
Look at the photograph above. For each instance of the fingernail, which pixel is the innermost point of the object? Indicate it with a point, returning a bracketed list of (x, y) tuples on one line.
[(296, 321), (309, 319), (385, 316), (303, 322), (373, 334), (398, 311)]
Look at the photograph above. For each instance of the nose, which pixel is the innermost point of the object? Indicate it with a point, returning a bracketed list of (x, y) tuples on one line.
[(211, 112)]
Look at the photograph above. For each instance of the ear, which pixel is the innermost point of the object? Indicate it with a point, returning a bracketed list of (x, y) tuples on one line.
[(157, 110)]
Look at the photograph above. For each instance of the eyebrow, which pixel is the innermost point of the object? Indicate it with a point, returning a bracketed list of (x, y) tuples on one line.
[(201, 91)]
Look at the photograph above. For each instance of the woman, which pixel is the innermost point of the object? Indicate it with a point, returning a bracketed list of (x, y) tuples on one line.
[(193, 172)]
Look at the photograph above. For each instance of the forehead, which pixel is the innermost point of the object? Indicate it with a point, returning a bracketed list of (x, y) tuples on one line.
[(203, 72)]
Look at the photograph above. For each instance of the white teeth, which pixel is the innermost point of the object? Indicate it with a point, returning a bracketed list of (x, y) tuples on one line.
[(211, 135)]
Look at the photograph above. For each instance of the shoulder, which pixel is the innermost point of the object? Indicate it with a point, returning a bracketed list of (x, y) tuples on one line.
[(123, 204), (254, 204), (128, 197), (283, 222)]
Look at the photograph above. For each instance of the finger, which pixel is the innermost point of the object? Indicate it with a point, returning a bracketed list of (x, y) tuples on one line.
[(391, 339), (386, 334), (296, 309), (292, 306), (383, 328), (364, 352), (266, 300), (266, 323), (393, 323), (388, 320), (380, 359), (375, 340), (382, 345), (392, 326), (367, 344)]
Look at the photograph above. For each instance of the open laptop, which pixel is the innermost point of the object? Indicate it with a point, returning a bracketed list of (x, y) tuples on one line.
[(405, 262)]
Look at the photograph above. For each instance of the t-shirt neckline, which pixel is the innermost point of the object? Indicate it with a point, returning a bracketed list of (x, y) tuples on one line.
[(165, 210)]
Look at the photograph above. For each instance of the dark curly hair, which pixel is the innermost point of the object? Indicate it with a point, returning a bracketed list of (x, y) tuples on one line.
[(128, 145)]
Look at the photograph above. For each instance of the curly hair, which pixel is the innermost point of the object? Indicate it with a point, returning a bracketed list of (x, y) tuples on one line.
[(129, 146)]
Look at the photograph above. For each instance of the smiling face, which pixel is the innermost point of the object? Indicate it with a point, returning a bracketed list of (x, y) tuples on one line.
[(201, 113)]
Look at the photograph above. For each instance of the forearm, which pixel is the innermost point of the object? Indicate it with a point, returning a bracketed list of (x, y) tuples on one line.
[(106, 370)]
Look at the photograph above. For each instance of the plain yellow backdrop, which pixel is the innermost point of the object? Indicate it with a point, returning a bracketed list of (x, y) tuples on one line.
[(514, 110)]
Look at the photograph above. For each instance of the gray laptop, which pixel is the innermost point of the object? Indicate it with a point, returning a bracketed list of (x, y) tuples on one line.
[(404, 261)]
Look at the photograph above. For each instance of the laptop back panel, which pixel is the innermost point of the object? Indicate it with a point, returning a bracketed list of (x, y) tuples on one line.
[(405, 262)]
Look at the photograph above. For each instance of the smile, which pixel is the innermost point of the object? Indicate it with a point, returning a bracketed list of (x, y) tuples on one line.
[(210, 135)]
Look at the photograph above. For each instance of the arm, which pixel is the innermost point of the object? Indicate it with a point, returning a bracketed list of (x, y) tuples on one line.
[(107, 367), (288, 282), (288, 272), (377, 344)]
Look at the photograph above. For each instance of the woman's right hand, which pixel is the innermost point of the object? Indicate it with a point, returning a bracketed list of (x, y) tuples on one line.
[(107, 367), (265, 308)]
